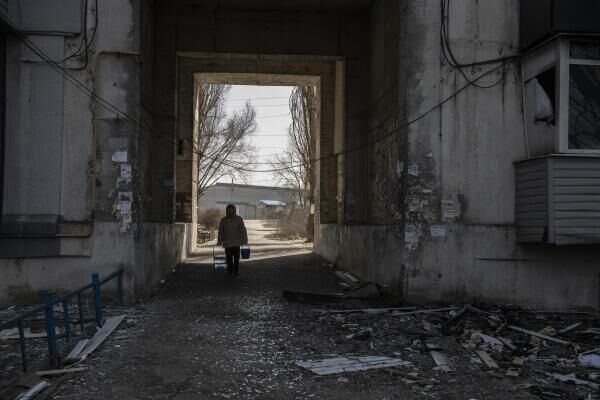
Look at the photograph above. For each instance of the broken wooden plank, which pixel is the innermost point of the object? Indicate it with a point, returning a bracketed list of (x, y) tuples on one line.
[(572, 379), (430, 311), (109, 326), (537, 334), (571, 327), (34, 391), (347, 277), (507, 342), (518, 361), (571, 312), (485, 357), (441, 361), (13, 334), (74, 354), (50, 372), (371, 311), (338, 365), (453, 325)]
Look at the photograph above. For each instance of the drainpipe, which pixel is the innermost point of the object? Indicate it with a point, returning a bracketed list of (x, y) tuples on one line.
[(524, 105)]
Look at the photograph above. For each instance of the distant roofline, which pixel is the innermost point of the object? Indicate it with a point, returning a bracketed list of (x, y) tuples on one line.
[(223, 184)]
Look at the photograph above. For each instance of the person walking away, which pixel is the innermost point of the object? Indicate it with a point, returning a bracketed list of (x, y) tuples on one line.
[(232, 234)]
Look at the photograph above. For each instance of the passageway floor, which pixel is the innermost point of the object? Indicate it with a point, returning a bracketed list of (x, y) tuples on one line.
[(206, 335)]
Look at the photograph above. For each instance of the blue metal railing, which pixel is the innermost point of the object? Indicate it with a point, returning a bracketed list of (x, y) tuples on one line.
[(48, 309)]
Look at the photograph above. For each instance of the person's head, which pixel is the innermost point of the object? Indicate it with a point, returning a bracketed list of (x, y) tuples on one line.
[(230, 210)]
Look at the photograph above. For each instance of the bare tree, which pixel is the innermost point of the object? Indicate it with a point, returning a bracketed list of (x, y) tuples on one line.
[(221, 141), (295, 167)]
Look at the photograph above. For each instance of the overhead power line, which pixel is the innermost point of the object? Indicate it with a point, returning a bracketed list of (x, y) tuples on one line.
[(138, 123)]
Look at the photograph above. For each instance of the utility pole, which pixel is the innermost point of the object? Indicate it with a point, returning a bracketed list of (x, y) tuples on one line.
[(231, 198)]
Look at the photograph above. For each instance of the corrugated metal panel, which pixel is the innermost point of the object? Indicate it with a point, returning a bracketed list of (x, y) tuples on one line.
[(532, 200), (575, 199)]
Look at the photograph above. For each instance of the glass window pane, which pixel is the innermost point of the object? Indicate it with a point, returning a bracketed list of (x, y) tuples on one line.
[(584, 107), (585, 49)]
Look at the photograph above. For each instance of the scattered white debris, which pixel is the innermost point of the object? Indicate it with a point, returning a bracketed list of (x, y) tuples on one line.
[(488, 342), (590, 359), (338, 365), (441, 361), (34, 391), (572, 379)]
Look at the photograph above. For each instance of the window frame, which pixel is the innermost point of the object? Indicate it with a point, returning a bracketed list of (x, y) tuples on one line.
[(556, 53)]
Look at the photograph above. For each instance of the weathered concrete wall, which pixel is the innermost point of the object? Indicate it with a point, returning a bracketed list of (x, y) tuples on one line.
[(459, 234), (370, 251), (147, 255), (445, 183), (83, 168), (370, 241), (24, 279)]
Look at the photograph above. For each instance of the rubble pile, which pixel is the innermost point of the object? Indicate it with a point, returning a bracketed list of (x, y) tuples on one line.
[(548, 354)]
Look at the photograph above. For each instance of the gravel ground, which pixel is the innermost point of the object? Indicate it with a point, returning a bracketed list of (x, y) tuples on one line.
[(205, 335)]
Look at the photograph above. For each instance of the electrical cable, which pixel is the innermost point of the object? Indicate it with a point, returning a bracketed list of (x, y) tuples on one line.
[(84, 39), (140, 122), (452, 60)]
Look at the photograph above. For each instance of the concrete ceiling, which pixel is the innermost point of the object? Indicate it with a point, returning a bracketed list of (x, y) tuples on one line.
[(288, 5)]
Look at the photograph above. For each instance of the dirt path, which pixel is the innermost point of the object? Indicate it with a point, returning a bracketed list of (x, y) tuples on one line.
[(209, 336), (261, 242)]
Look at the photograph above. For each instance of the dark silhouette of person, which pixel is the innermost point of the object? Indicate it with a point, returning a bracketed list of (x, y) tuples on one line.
[(232, 235)]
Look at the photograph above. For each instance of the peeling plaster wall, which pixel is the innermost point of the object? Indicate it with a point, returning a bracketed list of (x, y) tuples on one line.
[(369, 243), (102, 171), (440, 220), (460, 242)]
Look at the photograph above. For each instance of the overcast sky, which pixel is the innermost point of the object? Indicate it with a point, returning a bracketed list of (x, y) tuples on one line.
[(272, 120)]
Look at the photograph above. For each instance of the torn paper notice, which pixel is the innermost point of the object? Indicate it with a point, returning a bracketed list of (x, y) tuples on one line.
[(119, 156), (413, 170), (449, 211), (126, 171), (438, 230)]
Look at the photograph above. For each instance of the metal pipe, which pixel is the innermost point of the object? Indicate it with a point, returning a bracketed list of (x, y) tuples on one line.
[(524, 105), (80, 307), (22, 346), (51, 329), (97, 299), (66, 320)]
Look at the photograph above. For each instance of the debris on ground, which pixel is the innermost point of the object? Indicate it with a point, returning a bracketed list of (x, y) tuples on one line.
[(527, 346), (34, 391), (30, 385), (338, 365)]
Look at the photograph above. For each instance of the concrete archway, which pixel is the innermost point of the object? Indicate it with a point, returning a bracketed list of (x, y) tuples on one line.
[(322, 72)]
